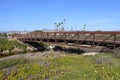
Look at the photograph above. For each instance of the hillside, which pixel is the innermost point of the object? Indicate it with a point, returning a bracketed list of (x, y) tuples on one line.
[(10, 46)]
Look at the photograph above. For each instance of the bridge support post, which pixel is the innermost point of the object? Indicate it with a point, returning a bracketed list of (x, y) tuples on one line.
[(41, 36), (35, 37), (78, 36), (47, 37), (114, 41), (55, 37), (93, 41), (66, 39)]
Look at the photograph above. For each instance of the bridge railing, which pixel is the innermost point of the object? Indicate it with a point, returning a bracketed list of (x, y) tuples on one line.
[(94, 37)]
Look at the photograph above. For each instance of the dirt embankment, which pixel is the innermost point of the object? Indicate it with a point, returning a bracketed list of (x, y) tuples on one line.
[(35, 55)]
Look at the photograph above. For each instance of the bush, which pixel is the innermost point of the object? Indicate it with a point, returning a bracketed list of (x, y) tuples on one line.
[(5, 44), (104, 60), (12, 62), (116, 53), (75, 67)]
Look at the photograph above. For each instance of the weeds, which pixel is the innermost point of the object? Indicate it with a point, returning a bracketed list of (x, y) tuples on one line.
[(104, 60), (5, 44), (116, 53), (69, 67), (12, 62)]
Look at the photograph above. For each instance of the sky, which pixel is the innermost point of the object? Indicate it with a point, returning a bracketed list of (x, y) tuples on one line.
[(32, 15)]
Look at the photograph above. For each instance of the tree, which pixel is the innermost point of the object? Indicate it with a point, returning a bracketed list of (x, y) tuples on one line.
[(84, 27)]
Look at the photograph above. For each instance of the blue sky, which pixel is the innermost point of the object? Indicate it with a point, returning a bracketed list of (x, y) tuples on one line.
[(42, 14)]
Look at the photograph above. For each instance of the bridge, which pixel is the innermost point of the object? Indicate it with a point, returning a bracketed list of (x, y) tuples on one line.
[(109, 39)]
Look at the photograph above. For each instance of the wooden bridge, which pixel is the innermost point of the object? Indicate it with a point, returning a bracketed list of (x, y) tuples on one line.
[(77, 38)]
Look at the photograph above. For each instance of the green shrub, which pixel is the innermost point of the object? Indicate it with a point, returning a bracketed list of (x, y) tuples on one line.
[(12, 62), (104, 60), (69, 67), (10, 45), (116, 53)]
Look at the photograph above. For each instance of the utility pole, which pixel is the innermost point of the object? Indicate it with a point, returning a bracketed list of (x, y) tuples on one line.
[(56, 26), (71, 28), (67, 28)]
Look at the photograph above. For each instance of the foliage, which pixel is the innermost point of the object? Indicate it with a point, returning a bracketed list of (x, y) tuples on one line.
[(12, 62), (5, 44), (38, 31), (69, 67), (3, 35), (104, 60), (116, 53)]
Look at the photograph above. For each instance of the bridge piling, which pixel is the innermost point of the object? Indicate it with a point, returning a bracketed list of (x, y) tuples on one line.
[(93, 40), (114, 41)]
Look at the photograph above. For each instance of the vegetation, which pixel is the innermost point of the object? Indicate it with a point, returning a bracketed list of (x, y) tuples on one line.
[(3, 35), (38, 31), (55, 67), (69, 67), (12, 62), (5, 44), (117, 53)]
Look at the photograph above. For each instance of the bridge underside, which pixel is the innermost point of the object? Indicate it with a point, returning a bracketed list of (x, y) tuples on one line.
[(81, 43)]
